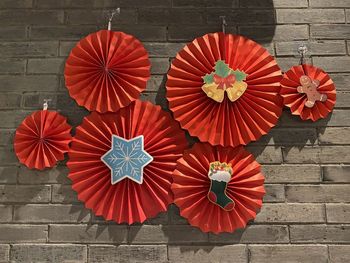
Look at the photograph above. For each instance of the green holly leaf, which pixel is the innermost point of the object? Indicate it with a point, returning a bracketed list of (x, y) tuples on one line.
[(208, 78), (222, 69), (240, 75)]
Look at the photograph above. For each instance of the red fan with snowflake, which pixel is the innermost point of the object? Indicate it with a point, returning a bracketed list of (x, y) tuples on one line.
[(107, 70), (91, 159), (308, 91), (218, 189), (42, 139), (224, 89)]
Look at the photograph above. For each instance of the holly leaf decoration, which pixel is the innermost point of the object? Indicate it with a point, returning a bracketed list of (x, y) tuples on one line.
[(208, 78), (222, 69), (240, 75)]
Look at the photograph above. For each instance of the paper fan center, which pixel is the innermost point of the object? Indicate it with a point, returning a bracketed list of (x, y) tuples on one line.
[(126, 159), (220, 175), (222, 79), (309, 87)]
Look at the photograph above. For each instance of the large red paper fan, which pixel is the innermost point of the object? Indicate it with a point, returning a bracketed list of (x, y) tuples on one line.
[(227, 123), (296, 101), (107, 70), (191, 185), (126, 201), (42, 139)]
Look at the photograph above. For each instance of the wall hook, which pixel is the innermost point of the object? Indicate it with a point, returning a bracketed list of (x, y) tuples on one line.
[(223, 23), (302, 50), (112, 14), (46, 103)]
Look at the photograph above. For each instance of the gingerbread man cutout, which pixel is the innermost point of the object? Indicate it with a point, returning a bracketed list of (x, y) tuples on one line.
[(309, 87)]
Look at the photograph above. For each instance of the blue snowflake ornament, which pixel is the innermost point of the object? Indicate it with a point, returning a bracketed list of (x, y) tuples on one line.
[(126, 159)]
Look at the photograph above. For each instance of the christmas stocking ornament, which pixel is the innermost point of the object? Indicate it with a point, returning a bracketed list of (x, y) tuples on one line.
[(220, 175)]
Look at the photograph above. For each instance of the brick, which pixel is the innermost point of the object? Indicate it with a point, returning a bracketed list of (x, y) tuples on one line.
[(10, 101), (24, 194), (8, 175), (89, 17), (336, 174), (205, 3), (287, 3), (332, 135), (341, 81), (65, 3), (302, 16), (274, 193), (206, 254), (188, 33), (31, 17), (159, 65), (320, 234), (339, 253), (22, 233), (6, 137), (16, 4), (326, 47), (241, 17), (277, 33), (177, 234), (285, 63), (124, 253), (330, 31), (145, 32), (333, 3), (291, 213), (325, 154), (338, 213), (268, 154), (29, 49), (28, 83), (17, 118), (333, 64), (174, 216), (12, 66), (88, 234), (61, 32), (343, 100), (36, 100), (56, 175), (4, 253), (176, 16), (317, 193), (7, 156), (253, 234), (51, 214), (64, 194), (338, 118), (292, 253), (46, 65), (141, 3), (13, 33), (288, 136), (156, 82), (66, 47), (48, 253), (5, 214), (292, 173)]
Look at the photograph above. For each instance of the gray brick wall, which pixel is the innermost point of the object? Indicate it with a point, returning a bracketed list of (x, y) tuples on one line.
[(306, 211)]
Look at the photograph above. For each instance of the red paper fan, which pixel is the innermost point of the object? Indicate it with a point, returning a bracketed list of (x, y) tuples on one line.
[(126, 201), (42, 139), (296, 100), (107, 70), (192, 184), (234, 121)]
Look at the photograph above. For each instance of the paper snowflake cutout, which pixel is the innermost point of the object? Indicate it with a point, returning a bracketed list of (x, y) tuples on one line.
[(126, 159)]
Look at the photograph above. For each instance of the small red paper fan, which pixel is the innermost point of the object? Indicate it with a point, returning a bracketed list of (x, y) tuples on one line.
[(42, 139), (296, 101), (107, 70), (191, 185), (226, 123), (126, 201)]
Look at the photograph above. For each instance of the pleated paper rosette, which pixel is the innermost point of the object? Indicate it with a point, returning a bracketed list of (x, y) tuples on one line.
[(296, 100), (234, 121), (107, 70), (42, 139), (126, 201), (191, 186)]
